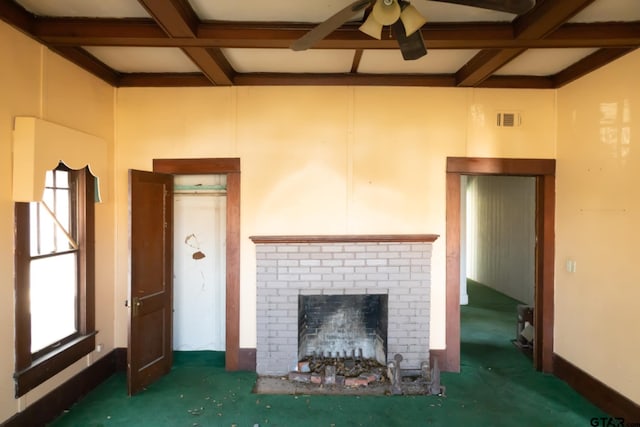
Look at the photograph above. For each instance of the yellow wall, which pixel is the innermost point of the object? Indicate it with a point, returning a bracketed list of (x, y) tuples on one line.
[(35, 82), (598, 225), (325, 160), (352, 160)]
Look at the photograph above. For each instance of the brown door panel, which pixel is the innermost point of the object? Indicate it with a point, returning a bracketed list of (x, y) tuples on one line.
[(149, 353)]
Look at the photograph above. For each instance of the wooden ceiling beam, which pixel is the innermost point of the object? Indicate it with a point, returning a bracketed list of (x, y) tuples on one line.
[(610, 34), (15, 15), (546, 17), (164, 80), (357, 57), (176, 17), (101, 32), (175, 24), (85, 60), (145, 32), (179, 21), (212, 63), (483, 65), (540, 21), (518, 82), (284, 79)]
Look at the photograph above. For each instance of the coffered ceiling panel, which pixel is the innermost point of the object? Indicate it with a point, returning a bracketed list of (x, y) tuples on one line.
[(544, 62), (547, 44), (271, 11), (609, 11), (144, 59), (288, 61), (435, 62), (86, 8)]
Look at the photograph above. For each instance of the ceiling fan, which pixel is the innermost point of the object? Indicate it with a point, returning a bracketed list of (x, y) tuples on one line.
[(403, 18)]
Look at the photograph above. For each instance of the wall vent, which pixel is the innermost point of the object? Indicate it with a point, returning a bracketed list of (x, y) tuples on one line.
[(508, 119)]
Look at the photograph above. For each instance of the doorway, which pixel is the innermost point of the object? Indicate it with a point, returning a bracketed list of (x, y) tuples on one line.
[(231, 168), (543, 170), (498, 247), (199, 222)]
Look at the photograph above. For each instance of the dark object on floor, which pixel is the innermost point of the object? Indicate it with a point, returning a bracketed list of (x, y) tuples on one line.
[(524, 329)]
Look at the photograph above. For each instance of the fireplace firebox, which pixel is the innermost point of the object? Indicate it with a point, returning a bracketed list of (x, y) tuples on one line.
[(347, 326)]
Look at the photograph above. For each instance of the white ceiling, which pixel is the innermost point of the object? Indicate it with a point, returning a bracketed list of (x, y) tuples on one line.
[(536, 62), (86, 8)]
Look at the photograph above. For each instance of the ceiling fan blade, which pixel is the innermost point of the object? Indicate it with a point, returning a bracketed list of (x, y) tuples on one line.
[(412, 47), (325, 28), (511, 6)]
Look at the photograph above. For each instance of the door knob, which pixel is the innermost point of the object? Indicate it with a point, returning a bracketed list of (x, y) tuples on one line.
[(137, 303)]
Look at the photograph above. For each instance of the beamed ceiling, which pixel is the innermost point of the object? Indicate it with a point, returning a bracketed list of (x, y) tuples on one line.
[(130, 43)]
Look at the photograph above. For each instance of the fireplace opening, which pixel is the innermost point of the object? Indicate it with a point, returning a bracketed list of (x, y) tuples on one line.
[(352, 327)]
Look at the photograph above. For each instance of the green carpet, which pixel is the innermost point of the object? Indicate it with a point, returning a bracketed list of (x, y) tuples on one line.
[(497, 386)]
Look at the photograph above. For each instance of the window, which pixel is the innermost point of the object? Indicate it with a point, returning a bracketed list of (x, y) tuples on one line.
[(54, 277)]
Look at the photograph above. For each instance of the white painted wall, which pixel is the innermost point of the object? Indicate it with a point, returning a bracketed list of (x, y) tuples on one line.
[(199, 267), (501, 234)]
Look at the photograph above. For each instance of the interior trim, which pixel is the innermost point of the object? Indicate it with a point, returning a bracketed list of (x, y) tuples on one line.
[(230, 167), (63, 397), (544, 172), (598, 393), (346, 238)]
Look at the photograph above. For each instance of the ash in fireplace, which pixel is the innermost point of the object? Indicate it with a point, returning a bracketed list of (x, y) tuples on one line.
[(344, 368)]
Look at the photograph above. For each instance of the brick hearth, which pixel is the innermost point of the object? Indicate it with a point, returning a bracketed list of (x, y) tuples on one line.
[(289, 266)]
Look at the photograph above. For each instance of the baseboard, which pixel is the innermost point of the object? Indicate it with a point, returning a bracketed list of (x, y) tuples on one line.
[(56, 402), (247, 359), (120, 355), (598, 393)]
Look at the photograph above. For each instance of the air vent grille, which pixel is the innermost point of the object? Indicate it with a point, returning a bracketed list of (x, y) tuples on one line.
[(506, 119)]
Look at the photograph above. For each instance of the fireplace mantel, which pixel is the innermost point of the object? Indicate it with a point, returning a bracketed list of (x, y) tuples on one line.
[(346, 238)]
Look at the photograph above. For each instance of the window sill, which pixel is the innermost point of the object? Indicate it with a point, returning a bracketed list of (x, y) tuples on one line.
[(53, 363)]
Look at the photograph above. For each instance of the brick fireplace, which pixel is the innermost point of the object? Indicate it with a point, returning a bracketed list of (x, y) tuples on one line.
[(290, 268)]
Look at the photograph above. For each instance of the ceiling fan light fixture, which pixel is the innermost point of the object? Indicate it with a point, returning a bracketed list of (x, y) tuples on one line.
[(386, 12), (372, 28), (412, 19)]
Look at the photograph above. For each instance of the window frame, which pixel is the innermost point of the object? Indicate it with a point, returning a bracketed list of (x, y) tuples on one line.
[(32, 369)]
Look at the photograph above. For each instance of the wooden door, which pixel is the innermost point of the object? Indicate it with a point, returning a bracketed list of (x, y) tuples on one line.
[(149, 354)]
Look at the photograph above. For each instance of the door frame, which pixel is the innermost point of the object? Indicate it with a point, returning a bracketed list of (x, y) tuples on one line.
[(231, 168), (544, 172)]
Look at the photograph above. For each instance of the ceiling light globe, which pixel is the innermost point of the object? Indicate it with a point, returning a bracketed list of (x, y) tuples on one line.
[(386, 14)]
